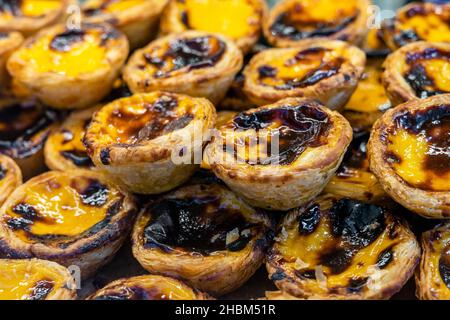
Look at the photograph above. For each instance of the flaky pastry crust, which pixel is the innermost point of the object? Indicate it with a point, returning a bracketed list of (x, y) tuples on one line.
[(9, 42), (10, 177)]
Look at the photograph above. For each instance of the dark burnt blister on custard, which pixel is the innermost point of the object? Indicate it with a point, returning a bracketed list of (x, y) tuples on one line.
[(64, 41), (444, 266), (77, 156), (355, 156)]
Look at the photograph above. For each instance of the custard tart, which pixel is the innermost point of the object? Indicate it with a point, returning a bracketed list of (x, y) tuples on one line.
[(70, 68), (239, 20), (195, 63), (9, 42), (418, 22), (353, 178), (148, 287), (369, 100), (291, 21), (433, 278), (137, 19), (203, 234), (235, 98), (10, 177), (409, 152), (417, 71), (24, 128), (341, 248), (327, 71), (64, 148), (29, 16), (76, 217), (34, 279), (282, 155), (150, 142)]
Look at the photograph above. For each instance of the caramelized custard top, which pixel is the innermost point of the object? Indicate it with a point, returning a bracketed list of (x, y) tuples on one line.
[(27, 8)]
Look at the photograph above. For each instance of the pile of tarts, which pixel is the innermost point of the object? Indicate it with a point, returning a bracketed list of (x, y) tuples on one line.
[(210, 139)]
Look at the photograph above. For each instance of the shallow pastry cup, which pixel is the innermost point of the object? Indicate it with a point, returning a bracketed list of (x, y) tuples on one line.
[(10, 177), (148, 287), (137, 19), (340, 248), (401, 155), (432, 278), (9, 42), (150, 143), (417, 71), (195, 63), (53, 66), (31, 15), (203, 234), (323, 19), (239, 20), (76, 218), (64, 148), (417, 22), (327, 71), (246, 158), (34, 279), (24, 128)]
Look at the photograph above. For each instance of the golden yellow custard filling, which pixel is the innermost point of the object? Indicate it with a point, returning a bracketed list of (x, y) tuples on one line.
[(60, 205), (430, 27), (28, 280), (322, 10), (233, 18), (319, 245), (113, 6), (28, 8)]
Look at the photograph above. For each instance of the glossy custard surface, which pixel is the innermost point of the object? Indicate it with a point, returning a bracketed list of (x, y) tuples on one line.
[(314, 18), (95, 7), (418, 148), (28, 8)]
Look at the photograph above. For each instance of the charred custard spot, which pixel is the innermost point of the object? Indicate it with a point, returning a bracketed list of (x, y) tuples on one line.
[(28, 214), (105, 157), (308, 221), (63, 42), (3, 172), (190, 53), (444, 266), (133, 293), (13, 7), (297, 127), (19, 123), (385, 258), (95, 194), (355, 157), (78, 157), (356, 285), (41, 290), (419, 78), (196, 224)]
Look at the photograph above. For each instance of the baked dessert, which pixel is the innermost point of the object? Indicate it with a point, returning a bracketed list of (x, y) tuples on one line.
[(64, 148), (203, 234), (148, 287), (353, 178), (280, 156), (10, 177), (291, 21), (327, 71), (341, 248), (24, 128), (374, 45), (150, 143), (137, 19), (409, 153), (9, 41), (75, 217), (70, 68), (195, 63), (418, 21), (235, 98), (417, 71), (239, 20), (369, 100), (33, 279), (29, 16), (433, 278)]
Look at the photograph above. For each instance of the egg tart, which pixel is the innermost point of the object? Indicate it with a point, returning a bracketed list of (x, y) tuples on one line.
[(341, 248), (148, 287), (291, 21), (282, 155), (203, 234), (64, 148), (10, 177), (374, 44), (29, 16), (152, 142), (418, 22), (195, 63), (24, 128), (34, 279), (327, 71), (369, 100), (417, 71), (433, 278), (353, 178), (76, 217), (9, 41), (239, 20), (70, 68), (409, 152), (137, 19)]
